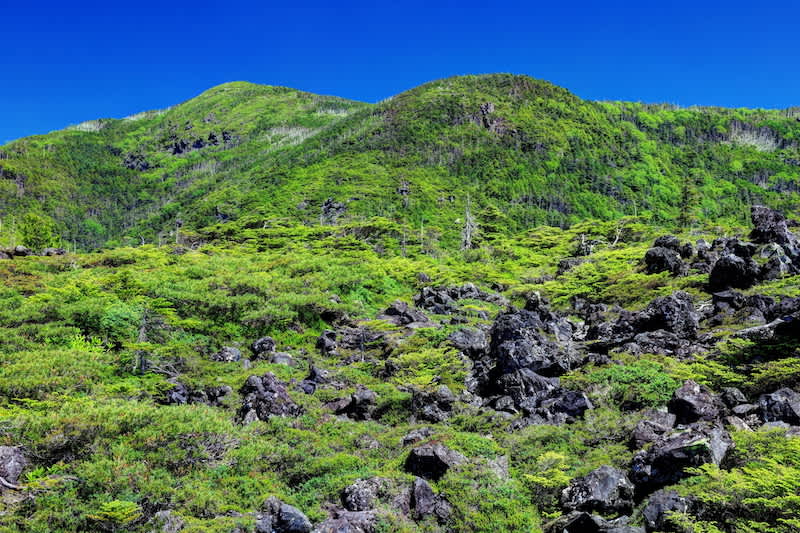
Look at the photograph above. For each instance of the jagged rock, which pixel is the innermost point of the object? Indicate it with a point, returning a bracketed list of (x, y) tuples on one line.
[(343, 521), (659, 505), (361, 495), (582, 522), (432, 406), (524, 385), (737, 423), (674, 313), (472, 342), (518, 342), (326, 343), (664, 462), (605, 490), (417, 435), (783, 405), (693, 402), (769, 226), (228, 354), (331, 211), (263, 347), (443, 300), (401, 314), (316, 376), (731, 397), (279, 517), (265, 396), (358, 406), (660, 342), (432, 460), (651, 427), (426, 503), (733, 271), (180, 394), (12, 463), (670, 242), (573, 404), (362, 338), (661, 259), (567, 264)]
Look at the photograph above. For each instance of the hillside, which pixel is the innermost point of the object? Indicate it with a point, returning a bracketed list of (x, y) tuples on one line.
[(483, 305), (521, 152)]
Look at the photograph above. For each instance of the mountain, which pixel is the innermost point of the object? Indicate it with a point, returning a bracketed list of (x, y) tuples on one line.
[(483, 305), (521, 152)]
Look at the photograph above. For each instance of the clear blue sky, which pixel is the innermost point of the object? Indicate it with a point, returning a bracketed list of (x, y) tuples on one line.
[(65, 62)]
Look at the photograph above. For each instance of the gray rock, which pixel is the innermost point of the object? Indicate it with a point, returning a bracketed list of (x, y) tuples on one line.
[(432, 461), (343, 521), (659, 505), (432, 406), (279, 517), (361, 495), (652, 426), (661, 259), (605, 490), (693, 402), (228, 354), (426, 503), (265, 396), (783, 405), (263, 347), (12, 463)]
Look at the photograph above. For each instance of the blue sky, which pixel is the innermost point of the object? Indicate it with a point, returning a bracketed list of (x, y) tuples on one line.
[(65, 62)]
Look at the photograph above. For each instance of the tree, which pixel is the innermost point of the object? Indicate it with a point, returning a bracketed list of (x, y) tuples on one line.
[(37, 231)]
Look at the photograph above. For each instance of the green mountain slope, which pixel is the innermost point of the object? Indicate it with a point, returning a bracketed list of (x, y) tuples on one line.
[(521, 151)]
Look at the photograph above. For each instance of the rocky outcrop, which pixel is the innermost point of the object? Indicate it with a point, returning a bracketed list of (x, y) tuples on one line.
[(665, 461), (12, 463), (432, 460), (432, 406), (263, 397), (605, 490), (279, 517)]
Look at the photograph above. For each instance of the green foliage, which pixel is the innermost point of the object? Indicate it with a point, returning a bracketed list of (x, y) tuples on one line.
[(637, 383), (37, 231)]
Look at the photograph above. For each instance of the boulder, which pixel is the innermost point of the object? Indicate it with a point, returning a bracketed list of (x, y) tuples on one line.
[(426, 503), (416, 435), (659, 505), (432, 406), (432, 460), (4, 255), (228, 354), (733, 271), (665, 461), (525, 385), (651, 427), (671, 242), (605, 490), (326, 343), (361, 495), (263, 348), (663, 260), (401, 314), (582, 522), (342, 521), (769, 226), (265, 396), (731, 397), (50, 252), (181, 394), (783, 405), (472, 342), (674, 313), (281, 358), (693, 402), (358, 406), (12, 463), (279, 517)]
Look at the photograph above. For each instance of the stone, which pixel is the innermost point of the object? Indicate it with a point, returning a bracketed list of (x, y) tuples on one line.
[(659, 505), (343, 521), (472, 342), (426, 503), (651, 427), (326, 343), (605, 490), (693, 402), (432, 460), (401, 314), (663, 260), (361, 495), (228, 354), (279, 517), (265, 396), (263, 347), (731, 397), (432, 406), (358, 406), (281, 358), (417, 435), (733, 271), (12, 463), (783, 405), (665, 461)]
